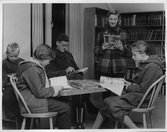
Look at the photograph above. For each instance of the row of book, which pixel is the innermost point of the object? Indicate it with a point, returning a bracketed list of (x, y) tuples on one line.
[(155, 49), (137, 20), (100, 21), (145, 34)]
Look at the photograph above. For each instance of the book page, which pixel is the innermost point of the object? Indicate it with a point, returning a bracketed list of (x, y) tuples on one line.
[(62, 80), (115, 85)]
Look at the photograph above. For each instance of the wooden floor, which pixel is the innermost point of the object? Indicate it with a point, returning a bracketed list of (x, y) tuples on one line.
[(159, 116)]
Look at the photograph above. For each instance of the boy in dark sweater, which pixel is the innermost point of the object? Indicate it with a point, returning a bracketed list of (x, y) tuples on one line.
[(10, 66)]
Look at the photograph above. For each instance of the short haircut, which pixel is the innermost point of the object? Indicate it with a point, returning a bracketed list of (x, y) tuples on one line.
[(62, 37), (44, 52), (115, 12), (13, 48), (141, 46)]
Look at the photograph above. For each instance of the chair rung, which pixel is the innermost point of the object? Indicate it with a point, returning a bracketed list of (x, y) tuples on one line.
[(40, 114), (142, 109)]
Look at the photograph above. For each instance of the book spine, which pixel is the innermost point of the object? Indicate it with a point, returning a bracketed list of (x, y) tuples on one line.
[(134, 20), (95, 20)]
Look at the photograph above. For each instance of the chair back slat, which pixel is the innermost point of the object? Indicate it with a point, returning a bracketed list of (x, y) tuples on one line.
[(157, 90), (153, 92), (13, 80)]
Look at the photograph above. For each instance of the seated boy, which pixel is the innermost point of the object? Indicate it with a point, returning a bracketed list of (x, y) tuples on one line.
[(9, 66)]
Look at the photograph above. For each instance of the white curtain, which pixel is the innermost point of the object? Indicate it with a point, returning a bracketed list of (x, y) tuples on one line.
[(74, 32), (37, 25)]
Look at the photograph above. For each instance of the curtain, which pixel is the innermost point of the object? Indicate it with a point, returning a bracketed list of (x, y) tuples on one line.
[(74, 32), (37, 25)]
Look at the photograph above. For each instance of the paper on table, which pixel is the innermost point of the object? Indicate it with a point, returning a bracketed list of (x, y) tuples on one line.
[(62, 80), (115, 85)]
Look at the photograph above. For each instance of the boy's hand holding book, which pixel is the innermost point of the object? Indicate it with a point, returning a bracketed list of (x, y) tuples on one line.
[(79, 71), (70, 70)]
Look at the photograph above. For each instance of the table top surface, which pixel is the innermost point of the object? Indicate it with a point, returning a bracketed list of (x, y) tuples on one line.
[(76, 91)]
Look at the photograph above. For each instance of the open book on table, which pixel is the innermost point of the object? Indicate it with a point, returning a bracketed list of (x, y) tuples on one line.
[(84, 84), (62, 80), (115, 85), (82, 71)]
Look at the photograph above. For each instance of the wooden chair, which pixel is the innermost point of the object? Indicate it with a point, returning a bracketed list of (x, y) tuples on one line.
[(20, 99), (153, 92)]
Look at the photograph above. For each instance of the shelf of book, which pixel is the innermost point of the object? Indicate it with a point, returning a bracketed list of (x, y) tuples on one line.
[(147, 26), (143, 18)]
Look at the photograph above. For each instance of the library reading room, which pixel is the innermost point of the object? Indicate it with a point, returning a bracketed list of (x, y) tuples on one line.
[(84, 66)]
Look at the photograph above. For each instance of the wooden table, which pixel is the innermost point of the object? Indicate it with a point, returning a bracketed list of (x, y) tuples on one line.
[(75, 91), (80, 108)]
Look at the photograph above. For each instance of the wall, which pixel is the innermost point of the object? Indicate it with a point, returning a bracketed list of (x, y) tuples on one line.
[(138, 7), (16, 27), (48, 20)]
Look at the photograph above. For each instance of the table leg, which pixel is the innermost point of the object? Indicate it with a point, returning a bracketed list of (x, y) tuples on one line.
[(80, 114)]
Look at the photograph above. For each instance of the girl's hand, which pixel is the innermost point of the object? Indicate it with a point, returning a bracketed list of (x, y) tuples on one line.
[(106, 45), (127, 84), (57, 89), (118, 44)]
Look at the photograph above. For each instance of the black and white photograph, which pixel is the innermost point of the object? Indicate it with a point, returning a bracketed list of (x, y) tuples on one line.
[(56, 53)]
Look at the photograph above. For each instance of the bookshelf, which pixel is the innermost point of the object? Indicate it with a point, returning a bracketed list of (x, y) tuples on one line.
[(94, 22), (147, 26)]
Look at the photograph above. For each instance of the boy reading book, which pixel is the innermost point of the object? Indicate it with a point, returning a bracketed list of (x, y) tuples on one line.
[(64, 65)]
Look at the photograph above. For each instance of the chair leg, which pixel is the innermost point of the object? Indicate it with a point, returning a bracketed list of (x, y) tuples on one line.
[(151, 119), (17, 123), (23, 123), (144, 120), (32, 123), (116, 124), (51, 123)]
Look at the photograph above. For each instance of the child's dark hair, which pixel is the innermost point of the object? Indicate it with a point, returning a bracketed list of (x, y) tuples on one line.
[(44, 52), (141, 46), (62, 37)]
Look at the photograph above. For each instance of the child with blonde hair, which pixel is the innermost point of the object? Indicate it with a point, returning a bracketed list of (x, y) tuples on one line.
[(10, 66)]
